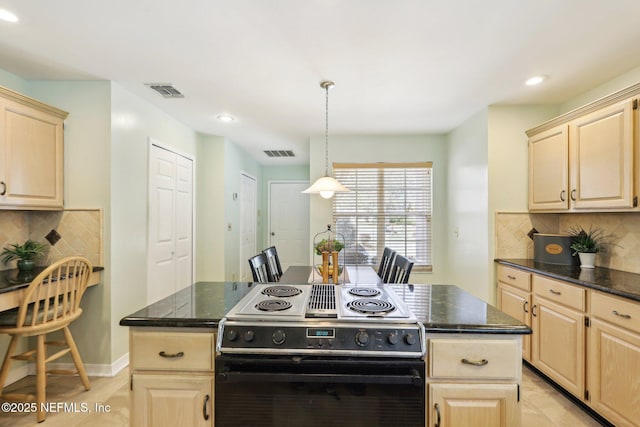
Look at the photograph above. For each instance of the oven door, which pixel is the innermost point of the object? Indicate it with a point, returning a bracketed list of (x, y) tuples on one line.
[(307, 392)]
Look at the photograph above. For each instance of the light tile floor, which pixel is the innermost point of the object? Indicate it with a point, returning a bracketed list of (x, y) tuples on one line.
[(542, 405)]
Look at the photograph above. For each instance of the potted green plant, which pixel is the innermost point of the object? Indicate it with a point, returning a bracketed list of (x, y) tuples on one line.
[(586, 243), (330, 245), (25, 253)]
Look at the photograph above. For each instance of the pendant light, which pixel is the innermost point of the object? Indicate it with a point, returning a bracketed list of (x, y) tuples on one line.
[(327, 185)]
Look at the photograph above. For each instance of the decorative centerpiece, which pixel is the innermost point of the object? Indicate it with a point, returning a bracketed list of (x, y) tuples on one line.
[(25, 253), (328, 247), (586, 244)]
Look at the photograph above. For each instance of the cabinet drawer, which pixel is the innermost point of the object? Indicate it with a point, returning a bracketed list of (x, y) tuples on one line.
[(514, 277), (621, 312), (562, 293), (475, 359), (172, 351)]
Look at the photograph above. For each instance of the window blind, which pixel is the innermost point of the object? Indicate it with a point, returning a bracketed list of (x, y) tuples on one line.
[(389, 205)]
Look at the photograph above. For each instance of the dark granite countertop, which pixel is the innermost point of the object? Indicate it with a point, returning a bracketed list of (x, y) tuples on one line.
[(12, 280), (441, 308), (614, 282)]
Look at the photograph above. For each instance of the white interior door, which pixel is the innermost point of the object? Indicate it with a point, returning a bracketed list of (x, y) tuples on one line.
[(170, 215), (289, 222), (248, 224)]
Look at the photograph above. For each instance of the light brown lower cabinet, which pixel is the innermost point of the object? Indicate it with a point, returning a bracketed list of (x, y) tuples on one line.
[(614, 360), (478, 405), (559, 344), (517, 304), (585, 340), (172, 377), (474, 380), (172, 400)]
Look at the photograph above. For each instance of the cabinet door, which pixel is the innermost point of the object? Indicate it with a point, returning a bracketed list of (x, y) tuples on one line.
[(478, 405), (614, 373), (32, 157), (517, 304), (549, 170), (172, 400), (601, 158), (558, 344)]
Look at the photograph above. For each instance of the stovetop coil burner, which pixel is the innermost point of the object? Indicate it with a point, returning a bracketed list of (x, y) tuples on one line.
[(273, 305), (370, 306), (364, 292), (281, 291)]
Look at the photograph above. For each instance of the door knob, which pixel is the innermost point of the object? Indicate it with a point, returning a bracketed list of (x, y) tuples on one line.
[(273, 234)]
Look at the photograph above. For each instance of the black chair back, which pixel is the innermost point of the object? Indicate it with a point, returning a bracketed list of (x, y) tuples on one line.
[(273, 261), (385, 264), (401, 270), (260, 269)]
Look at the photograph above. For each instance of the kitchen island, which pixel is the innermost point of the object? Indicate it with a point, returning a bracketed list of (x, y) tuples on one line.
[(472, 351)]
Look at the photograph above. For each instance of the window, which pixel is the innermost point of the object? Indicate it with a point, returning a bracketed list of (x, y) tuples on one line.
[(389, 205)]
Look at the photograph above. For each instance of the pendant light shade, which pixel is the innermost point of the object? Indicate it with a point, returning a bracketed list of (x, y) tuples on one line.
[(326, 186)]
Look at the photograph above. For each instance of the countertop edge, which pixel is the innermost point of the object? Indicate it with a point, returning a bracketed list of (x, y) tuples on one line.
[(467, 329), (573, 280)]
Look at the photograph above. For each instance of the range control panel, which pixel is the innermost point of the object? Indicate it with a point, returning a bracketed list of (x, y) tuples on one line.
[(402, 340)]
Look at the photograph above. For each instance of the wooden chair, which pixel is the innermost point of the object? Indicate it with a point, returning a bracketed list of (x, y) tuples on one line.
[(50, 303), (401, 270), (386, 262), (273, 262), (260, 269)]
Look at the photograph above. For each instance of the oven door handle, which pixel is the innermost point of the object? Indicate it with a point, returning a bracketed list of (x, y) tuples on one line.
[(413, 378)]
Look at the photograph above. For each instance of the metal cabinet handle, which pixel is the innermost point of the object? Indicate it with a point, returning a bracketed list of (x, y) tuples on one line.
[(511, 277), (562, 193), (524, 306), (555, 292), (624, 316), (205, 404), (475, 362), (437, 408), (4, 188), (171, 356), (573, 194), (533, 310)]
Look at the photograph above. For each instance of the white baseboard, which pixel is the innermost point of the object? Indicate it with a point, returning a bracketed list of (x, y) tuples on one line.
[(93, 369)]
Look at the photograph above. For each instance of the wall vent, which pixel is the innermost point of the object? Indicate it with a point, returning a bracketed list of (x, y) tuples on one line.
[(166, 90), (279, 153)]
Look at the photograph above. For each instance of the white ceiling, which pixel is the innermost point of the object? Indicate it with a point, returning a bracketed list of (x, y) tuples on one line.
[(403, 66)]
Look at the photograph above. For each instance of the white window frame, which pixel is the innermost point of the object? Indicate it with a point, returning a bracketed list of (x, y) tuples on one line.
[(344, 169)]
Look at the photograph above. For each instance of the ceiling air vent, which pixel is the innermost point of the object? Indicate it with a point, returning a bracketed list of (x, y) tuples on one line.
[(279, 153), (166, 90)]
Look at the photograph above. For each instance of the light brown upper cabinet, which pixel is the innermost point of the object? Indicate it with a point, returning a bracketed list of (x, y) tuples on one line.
[(549, 169), (31, 153), (601, 158), (587, 159)]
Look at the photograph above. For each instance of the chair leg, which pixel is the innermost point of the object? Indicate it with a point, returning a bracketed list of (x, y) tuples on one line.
[(75, 355), (4, 372), (41, 377)]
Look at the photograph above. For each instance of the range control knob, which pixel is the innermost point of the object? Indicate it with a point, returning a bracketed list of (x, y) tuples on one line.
[(249, 335), (362, 338), (232, 335), (410, 339), (392, 338), (278, 336)]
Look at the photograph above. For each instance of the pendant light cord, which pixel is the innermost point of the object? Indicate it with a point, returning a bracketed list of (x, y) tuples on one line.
[(326, 131)]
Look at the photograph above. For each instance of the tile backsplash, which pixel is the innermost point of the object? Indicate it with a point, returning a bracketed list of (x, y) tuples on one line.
[(623, 231), (79, 230)]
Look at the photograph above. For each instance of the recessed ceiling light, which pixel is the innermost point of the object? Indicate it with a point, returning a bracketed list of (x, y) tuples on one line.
[(5, 15), (535, 80), (225, 118)]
